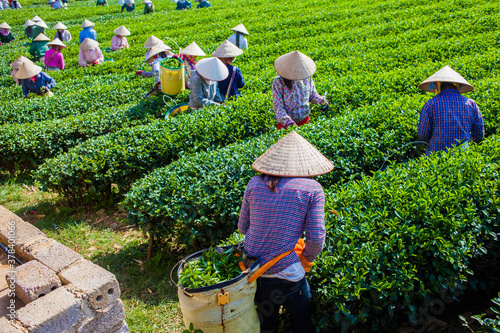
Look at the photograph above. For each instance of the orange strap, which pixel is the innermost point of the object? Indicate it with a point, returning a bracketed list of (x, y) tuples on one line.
[(264, 268)]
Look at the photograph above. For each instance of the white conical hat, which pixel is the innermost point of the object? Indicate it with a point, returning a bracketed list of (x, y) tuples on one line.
[(36, 18), (88, 44), (5, 26), (28, 70), (60, 26), (240, 28), (446, 74), (147, 1), (293, 156), (212, 69), (58, 42), (121, 31), (19, 61), (194, 50), (227, 50), (41, 24), (29, 23), (152, 41), (156, 50), (295, 66), (86, 23), (41, 38)]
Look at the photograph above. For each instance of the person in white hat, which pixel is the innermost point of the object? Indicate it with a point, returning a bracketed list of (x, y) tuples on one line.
[(189, 56), (62, 34), (149, 7), (54, 59), (39, 46), (279, 207), (28, 31), (237, 38), (15, 4), (15, 67), (203, 84), (293, 89), (204, 4), (119, 41), (88, 31), (38, 28), (183, 5), (156, 54), (58, 4), (449, 119), (34, 80), (226, 53), (150, 43), (6, 36), (90, 53), (129, 6), (101, 3)]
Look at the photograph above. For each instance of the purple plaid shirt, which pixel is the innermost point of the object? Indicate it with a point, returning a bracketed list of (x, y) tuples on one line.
[(274, 222), (448, 118)]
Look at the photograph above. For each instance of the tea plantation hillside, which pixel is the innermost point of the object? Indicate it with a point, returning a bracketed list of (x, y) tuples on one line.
[(410, 226)]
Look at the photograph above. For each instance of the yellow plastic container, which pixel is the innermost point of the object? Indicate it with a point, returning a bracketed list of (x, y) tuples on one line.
[(172, 78)]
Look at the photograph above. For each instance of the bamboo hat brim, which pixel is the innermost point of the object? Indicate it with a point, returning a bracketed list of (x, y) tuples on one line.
[(86, 23), (19, 61), (57, 42), (41, 38), (293, 156), (4, 25), (446, 74), (295, 66), (41, 24), (60, 26), (240, 28), (193, 50), (29, 23), (156, 50), (227, 50), (88, 44), (121, 31), (212, 69), (147, 1), (152, 41), (36, 18), (28, 70)]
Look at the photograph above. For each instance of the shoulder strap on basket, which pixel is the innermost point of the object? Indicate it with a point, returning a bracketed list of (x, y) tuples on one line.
[(265, 267)]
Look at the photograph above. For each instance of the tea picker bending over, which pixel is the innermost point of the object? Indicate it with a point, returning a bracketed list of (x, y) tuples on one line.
[(39, 47), (34, 80), (90, 53), (237, 38), (62, 34), (129, 5), (15, 67), (88, 31), (156, 55), (203, 84), (54, 59), (226, 53), (188, 55), (119, 41), (6, 35), (149, 7)]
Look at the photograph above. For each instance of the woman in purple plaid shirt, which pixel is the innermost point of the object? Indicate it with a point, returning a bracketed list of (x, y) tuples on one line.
[(278, 207)]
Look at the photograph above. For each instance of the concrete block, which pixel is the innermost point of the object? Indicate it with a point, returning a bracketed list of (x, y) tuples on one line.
[(98, 284), (33, 280), (110, 319), (58, 311), (7, 327), (17, 231), (52, 254), (122, 329)]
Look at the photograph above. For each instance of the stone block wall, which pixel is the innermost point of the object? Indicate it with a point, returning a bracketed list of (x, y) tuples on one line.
[(62, 291)]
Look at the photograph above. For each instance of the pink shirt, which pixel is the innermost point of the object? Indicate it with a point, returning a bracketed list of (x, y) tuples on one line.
[(54, 59), (118, 43), (88, 57)]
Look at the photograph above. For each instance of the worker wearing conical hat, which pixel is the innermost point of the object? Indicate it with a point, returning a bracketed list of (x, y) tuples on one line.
[(38, 28), (54, 59), (204, 4), (6, 35), (34, 80), (101, 3), (449, 119), (149, 7), (90, 53), (237, 38), (278, 208), (129, 6), (183, 5), (226, 53), (15, 67), (88, 31), (28, 30), (119, 41), (293, 89), (62, 34), (154, 56), (39, 46), (203, 85), (152, 41), (188, 55)]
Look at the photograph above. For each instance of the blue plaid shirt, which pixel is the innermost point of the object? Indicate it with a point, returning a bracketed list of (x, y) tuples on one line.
[(450, 118), (273, 222)]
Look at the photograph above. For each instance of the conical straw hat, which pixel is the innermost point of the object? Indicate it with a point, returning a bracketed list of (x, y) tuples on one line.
[(36, 18), (446, 74), (240, 28), (121, 31), (212, 69), (194, 50), (58, 42), (28, 70), (152, 41), (5, 26), (227, 50), (41, 38), (156, 50), (147, 1), (88, 44), (59, 26), (41, 24), (86, 23), (295, 66), (19, 61), (293, 156), (29, 23)]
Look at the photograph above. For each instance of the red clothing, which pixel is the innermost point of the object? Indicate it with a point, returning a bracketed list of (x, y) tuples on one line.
[(300, 123)]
